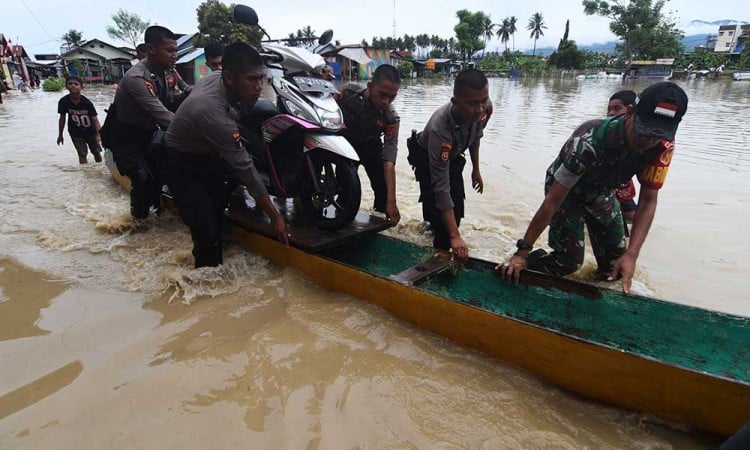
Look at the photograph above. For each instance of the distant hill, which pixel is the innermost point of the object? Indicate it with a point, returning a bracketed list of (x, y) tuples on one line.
[(715, 23), (690, 42)]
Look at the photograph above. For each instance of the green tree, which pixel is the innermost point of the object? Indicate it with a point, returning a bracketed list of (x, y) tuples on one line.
[(469, 29), (72, 38), (405, 68), (503, 33), (215, 24), (567, 55), (512, 29), (645, 32), (489, 32), (364, 43), (129, 27), (536, 25), (745, 59)]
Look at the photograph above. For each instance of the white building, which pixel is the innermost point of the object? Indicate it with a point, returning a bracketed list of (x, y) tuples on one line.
[(728, 36)]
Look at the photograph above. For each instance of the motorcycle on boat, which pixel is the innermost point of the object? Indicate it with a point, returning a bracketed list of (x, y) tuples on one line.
[(295, 143)]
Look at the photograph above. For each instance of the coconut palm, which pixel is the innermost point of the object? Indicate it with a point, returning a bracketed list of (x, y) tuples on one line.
[(503, 33), (489, 31), (512, 29), (536, 25)]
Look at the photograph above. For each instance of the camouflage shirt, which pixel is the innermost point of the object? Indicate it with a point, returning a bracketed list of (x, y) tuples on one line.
[(596, 159)]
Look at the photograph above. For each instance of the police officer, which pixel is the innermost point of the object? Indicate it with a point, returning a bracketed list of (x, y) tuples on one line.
[(580, 188), (368, 115), (177, 89), (140, 109), (203, 140), (437, 157), (214, 53)]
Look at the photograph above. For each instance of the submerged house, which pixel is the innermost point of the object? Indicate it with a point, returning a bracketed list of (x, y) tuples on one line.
[(100, 60), (358, 63), (660, 69)]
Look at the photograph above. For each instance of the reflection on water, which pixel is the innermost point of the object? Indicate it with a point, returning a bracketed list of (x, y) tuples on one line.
[(265, 357)]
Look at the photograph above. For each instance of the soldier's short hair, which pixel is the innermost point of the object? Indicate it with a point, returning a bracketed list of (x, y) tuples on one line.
[(155, 34), (239, 57), (472, 79), (386, 72), (213, 50), (626, 96)]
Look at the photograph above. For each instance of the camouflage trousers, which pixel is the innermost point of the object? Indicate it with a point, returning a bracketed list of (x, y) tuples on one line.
[(603, 218)]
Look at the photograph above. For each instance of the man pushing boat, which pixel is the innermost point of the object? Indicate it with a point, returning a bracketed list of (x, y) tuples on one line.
[(580, 188), (437, 155)]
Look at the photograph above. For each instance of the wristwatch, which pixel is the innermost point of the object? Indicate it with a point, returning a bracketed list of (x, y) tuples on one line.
[(523, 245)]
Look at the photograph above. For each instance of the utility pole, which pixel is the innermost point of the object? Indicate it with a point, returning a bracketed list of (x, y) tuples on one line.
[(393, 34)]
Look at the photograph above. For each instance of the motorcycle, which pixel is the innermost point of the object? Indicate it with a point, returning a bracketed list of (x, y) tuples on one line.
[(295, 143)]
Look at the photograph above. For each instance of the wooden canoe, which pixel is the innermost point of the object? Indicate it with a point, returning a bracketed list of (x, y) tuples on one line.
[(682, 364)]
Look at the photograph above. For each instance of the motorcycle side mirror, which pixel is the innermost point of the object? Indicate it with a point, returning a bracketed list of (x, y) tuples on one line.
[(245, 14), (325, 37)]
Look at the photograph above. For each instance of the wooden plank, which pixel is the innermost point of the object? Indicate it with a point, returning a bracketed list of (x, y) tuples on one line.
[(302, 233), (422, 272)]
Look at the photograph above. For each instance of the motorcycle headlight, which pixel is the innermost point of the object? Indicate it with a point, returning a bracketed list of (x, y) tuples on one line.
[(300, 112), (330, 120)]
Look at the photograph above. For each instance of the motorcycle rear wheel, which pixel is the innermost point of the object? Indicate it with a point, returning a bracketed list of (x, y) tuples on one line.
[(337, 202)]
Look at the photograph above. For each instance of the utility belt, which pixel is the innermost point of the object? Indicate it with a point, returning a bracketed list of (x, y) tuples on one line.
[(417, 156), (420, 161)]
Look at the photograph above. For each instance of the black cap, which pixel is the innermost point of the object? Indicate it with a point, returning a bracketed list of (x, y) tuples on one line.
[(659, 110)]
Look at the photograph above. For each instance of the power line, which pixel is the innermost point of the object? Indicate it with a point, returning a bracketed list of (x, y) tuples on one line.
[(37, 20), (42, 43)]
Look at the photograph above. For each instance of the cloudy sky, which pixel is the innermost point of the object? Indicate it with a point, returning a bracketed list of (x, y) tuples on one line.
[(38, 24)]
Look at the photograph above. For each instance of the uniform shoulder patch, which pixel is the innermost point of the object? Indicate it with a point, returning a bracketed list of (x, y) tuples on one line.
[(390, 131), (150, 87), (445, 151)]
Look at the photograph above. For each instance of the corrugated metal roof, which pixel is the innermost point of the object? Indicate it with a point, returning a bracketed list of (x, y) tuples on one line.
[(197, 53)]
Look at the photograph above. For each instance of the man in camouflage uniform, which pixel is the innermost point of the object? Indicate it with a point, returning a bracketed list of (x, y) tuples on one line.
[(139, 109), (368, 115), (580, 188)]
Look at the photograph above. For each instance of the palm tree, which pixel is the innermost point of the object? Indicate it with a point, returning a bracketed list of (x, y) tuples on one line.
[(489, 31), (72, 38), (503, 33), (512, 29), (536, 25)]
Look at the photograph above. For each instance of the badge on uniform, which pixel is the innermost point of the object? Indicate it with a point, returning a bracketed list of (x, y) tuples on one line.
[(390, 131), (237, 139), (445, 151), (150, 87), (666, 156)]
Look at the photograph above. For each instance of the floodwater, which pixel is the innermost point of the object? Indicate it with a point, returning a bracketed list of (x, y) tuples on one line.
[(109, 338)]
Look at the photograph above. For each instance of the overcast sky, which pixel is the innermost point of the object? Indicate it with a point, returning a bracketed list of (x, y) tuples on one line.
[(38, 24)]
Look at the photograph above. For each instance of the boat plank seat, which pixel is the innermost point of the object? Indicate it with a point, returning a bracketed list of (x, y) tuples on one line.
[(302, 233), (422, 272)]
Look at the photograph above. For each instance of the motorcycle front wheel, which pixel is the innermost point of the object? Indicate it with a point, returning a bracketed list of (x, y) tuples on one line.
[(336, 201)]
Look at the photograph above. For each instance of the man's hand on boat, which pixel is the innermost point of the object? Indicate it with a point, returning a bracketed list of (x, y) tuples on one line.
[(279, 226), (460, 249), (511, 269), (624, 269), (277, 221), (392, 212)]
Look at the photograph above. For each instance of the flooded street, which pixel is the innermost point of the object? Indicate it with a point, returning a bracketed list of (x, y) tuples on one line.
[(110, 339)]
